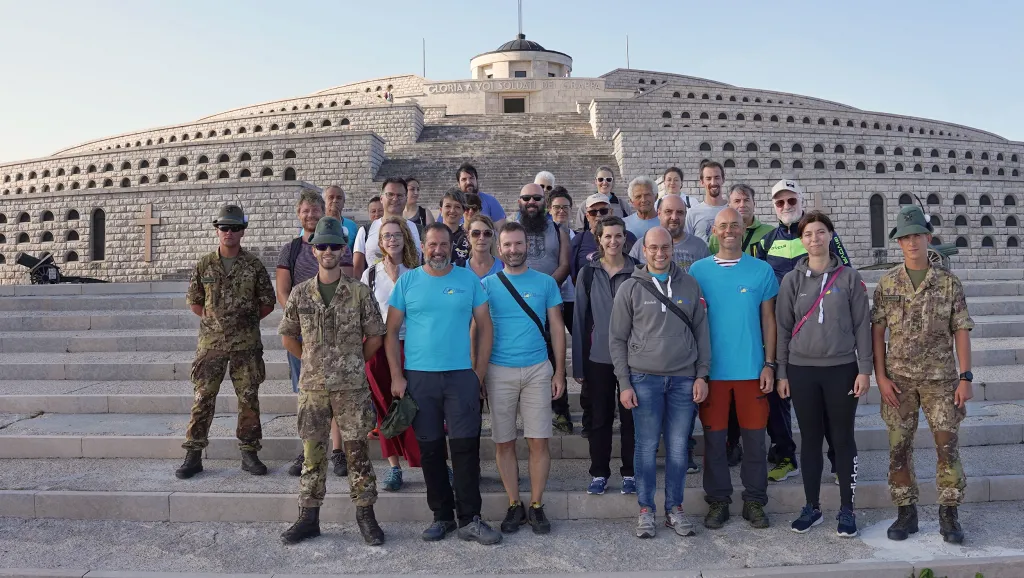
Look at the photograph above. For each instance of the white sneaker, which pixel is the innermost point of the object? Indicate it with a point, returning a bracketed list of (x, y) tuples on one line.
[(678, 522), (645, 526)]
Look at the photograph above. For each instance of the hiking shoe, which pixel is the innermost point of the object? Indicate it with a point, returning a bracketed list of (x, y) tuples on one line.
[(307, 526), (251, 463), (783, 470), (478, 531), (949, 525), (675, 520), (628, 485), (753, 512), (514, 517), (562, 423), (296, 468), (718, 514), (192, 465), (597, 486), (393, 481), (645, 525), (905, 524), (340, 463), (368, 526), (847, 523), (537, 519), (584, 433), (691, 465), (809, 517), (439, 530), (734, 454)]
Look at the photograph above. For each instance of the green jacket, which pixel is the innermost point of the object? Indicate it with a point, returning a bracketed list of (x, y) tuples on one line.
[(759, 230)]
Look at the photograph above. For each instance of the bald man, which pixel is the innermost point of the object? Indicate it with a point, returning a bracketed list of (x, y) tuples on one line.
[(740, 293)]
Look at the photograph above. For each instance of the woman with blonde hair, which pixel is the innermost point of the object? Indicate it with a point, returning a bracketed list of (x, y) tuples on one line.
[(398, 250), (483, 246)]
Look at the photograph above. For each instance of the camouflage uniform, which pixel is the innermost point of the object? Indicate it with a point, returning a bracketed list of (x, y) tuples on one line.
[(333, 383), (229, 335), (919, 359)]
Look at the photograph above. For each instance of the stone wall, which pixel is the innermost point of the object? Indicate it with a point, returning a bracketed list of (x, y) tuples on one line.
[(629, 78)]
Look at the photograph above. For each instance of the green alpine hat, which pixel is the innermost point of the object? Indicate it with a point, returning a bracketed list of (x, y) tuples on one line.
[(910, 221), (231, 215), (399, 417), (329, 232)]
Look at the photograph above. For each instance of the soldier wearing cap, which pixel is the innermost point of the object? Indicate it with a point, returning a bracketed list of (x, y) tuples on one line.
[(924, 308), (331, 323), (230, 291)]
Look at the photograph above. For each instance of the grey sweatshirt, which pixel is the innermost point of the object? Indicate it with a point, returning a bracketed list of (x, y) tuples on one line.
[(645, 337), (838, 331), (590, 336)]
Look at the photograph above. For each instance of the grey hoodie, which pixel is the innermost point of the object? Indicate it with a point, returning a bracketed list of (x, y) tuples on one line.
[(645, 337), (838, 331), (590, 337)]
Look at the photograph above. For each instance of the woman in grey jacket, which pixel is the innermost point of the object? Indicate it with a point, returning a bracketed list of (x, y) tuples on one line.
[(825, 361), (592, 367)]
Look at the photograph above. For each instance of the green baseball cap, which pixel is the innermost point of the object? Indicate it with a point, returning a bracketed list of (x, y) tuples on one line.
[(910, 221), (329, 231), (231, 215)]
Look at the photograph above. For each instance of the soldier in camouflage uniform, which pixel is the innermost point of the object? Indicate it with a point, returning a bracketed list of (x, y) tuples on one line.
[(230, 291), (337, 321), (924, 308)]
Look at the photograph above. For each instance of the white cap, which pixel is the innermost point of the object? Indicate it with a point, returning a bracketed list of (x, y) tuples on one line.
[(597, 198), (787, 185)]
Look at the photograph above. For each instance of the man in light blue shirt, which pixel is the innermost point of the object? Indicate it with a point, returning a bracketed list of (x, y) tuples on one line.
[(466, 178), (641, 192), (438, 302), (520, 375)]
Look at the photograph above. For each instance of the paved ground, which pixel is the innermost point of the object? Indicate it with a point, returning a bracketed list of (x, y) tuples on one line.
[(572, 547)]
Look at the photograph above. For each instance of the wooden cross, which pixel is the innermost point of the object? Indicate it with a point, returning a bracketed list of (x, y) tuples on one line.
[(147, 221)]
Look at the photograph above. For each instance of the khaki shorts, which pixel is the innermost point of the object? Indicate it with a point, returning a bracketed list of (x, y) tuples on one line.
[(523, 389)]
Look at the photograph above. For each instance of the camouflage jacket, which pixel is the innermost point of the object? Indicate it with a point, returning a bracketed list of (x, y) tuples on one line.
[(921, 323), (231, 301), (332, 336)]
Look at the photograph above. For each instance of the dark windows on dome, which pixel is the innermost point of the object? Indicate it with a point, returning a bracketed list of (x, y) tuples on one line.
[(858, 150), (959, 200)]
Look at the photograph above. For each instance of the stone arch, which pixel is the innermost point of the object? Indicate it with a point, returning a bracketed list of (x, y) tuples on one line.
[(143, 180), (757, 118), (840, 149), (999, 156), (774, 118), (952, 169), (723, 116), (1012, 242), (223, 158), (1011, 221), (126, 182), (46, 237), (918, 168), (984, 170), (935, 169), (861, 166), (797, 148), (289, 125), (126, 166), (905, 199), (986, 221), (751, 147), (898, 151), (325, 123), (289, 174), (98, 236), (819, 164), (933, 199), (985, 201), (704, 116), (245, 157), (840, 166), (880, 168), (704, 146), (729, 163), (307, 124), (774, 148), (89, 185), (704, 96), (244, 173), (685, 115), (775, 164), (752, 164), (951, 155), (267, 155), (223, 175), (819, 148), (728, 147), (664, 114), (675, 95), (898, 168), (806, 120), (71, 257), (202, 176), (1001, 172), (1009, 201), (821, 121), (212, 133), (257, 128), (959, 200), (935, 221), (961, 242), (46, 216), (935, 153), (879, 151), (858, 150), (863, 124), (877, 217), (289, 154), (877, 126), (346, 103), (740, 117), (790, 119), (162, 178), (203, 160), (21, 238), (986, 242), (797, 164)]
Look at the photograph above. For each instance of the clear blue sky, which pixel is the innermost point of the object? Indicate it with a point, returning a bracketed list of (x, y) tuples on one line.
[(74, 70)]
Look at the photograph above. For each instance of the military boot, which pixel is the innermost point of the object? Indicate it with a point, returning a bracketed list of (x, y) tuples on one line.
[(368, 526), (307, 526), (905, 524), (949, 525), (251, 463), (192, 465)]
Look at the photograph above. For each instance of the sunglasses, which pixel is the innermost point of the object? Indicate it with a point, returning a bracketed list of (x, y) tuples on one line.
[(332, 246), (605, 180), (472, 207), (526, 198), (230, 228), (546, 187), (596, 212), (487, 233), (783, 202)]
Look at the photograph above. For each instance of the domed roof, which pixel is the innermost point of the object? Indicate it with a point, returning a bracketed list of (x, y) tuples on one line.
[(520, 44)]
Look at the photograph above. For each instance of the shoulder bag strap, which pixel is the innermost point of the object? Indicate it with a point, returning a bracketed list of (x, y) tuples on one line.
[(649, 286), (746, 240), (371, 277), (293, 257), (529, 312), (821, 296)]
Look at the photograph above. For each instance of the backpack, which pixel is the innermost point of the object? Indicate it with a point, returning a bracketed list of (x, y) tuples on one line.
[(293, 255)]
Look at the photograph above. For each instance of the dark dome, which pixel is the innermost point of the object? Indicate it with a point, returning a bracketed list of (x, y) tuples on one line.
[(520, 44)]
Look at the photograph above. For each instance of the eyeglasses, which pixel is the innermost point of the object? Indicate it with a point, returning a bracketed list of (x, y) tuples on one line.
[(596, 212), (393, 195), (392, 237), (526, 198), (783, 202), (605, 179), (332, 246), (560, 208), (487, 233), (230, 228)]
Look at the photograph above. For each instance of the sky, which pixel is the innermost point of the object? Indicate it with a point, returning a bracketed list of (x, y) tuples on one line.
[(75, 70)]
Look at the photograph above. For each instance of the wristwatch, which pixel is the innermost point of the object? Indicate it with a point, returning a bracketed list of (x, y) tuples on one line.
[(771, 365), (706, 378), (967, 376)]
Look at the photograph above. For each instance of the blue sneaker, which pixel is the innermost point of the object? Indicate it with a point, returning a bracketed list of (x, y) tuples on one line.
[(628, 485), (847, 523), (597, 486), (393, 482), (809, 517), (439, 530)]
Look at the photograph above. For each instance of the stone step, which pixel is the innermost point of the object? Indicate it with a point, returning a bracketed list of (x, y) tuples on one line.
[(94, 289), (148, 319), (144, 366)]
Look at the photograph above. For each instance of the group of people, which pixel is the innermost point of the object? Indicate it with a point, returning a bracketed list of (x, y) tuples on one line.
[(678, 306)]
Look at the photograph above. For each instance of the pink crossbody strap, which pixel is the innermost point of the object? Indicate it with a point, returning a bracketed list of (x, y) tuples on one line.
[(817, 301)]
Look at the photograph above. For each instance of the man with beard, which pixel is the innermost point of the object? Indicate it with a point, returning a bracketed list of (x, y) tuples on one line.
[(393, 192), (604, 181), (520, 375), (781, 248), (700, 220), (466, 177), (334, 198), (641, 196), (442, 306)]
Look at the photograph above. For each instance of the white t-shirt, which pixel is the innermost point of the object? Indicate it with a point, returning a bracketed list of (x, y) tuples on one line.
[(367, 241), (382, 288)]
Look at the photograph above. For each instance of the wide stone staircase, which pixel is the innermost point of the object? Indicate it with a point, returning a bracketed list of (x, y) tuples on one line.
[(507, 151), (95, 395)]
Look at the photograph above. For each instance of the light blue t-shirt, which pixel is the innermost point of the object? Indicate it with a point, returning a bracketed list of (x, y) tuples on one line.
[(352, 229), (517, 341), (437, 311), (638, 226), (495, 267), (734, 296), (491, 207)]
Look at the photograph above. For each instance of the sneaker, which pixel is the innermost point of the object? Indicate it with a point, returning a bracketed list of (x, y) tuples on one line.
[(675, 520), (296, 468), (439, 530), (718, 514), (753, 512), (584, 433), (734, 454), (340, 463), (536, 517), (691, 466), (478, 531), (597, 486), (645, 526), (783, 470), (847, 523), (628, 485), (562, 423), (393, 482), (514, 517), (809, 517)]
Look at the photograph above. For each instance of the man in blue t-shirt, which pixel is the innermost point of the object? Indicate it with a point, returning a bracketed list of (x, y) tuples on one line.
[(438, 302), (740, 292), (466, 178), (520, 375)]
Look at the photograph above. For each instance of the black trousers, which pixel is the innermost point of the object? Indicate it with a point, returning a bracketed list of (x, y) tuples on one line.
[(603, 392), (560, 406), (818, 392)]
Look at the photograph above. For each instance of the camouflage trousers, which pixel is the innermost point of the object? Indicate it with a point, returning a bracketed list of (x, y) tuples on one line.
[(247, 373), (944, 417), (353, 412)]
